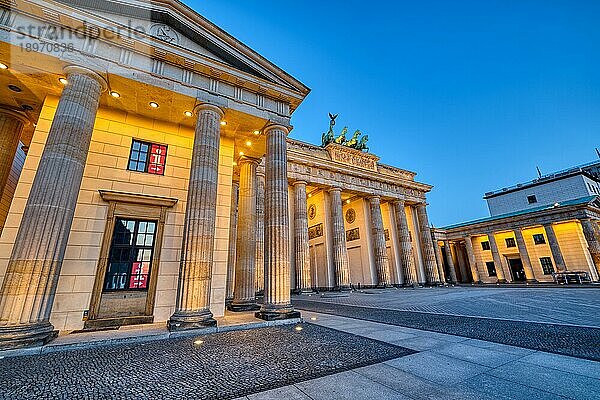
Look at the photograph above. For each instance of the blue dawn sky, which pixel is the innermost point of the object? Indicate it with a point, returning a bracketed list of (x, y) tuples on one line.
[(471, 95)]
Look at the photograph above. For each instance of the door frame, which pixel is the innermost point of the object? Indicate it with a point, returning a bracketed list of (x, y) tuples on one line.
[(131, 206)]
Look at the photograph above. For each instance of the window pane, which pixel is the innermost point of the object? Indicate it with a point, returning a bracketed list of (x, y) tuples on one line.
[(136, 145), (129, 262)]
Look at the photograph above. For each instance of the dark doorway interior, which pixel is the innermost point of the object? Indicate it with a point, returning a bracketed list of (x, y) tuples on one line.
[(516, 269)]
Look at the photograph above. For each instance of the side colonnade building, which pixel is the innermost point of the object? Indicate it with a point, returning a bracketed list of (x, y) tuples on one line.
[(530, 246), (136, 118)]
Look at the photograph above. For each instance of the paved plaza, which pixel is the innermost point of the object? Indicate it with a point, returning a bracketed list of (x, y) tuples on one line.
[(334, 356), (562, 305)]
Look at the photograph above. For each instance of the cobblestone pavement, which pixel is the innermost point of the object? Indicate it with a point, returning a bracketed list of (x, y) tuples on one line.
[(225, 365), (564, 305), (575, 341), (446, 367)]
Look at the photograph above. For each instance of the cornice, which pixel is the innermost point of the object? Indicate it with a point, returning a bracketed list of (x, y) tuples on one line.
[(122, 197)]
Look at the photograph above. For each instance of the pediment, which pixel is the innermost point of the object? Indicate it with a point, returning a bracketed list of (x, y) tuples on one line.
[(178, 25)]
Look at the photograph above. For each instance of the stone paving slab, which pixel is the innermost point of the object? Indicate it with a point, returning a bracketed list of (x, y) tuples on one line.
[(223, 365), (493, 383), (575, 341)]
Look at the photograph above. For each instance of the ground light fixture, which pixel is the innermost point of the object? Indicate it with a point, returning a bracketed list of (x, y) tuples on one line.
[(3, 66), (64, 81), (298, 328), (223, 123), (257, 132), (188, 113)]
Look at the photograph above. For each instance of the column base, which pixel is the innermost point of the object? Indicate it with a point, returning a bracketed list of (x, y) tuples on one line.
[(502, 281), (531, 281), (341, 289), (243, 307), (274, 315), (186, 322), (303, 291), (21, 336)]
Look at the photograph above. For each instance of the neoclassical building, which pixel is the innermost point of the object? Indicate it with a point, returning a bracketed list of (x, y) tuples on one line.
[(147, 176), (544, 230)]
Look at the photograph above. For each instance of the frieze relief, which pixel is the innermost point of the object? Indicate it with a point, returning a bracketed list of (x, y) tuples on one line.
[(315, 231), (352, 235), (354, 158)]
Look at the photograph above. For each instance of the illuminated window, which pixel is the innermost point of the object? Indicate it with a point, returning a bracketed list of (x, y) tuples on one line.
[(547, 266), (510, 242), (147, 157), (539, 239), (491, 268), (130, 255), (485, 245), (532, 199)]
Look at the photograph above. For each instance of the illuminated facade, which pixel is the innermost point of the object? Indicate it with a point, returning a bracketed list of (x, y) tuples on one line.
[(540, 231), (147, 176)]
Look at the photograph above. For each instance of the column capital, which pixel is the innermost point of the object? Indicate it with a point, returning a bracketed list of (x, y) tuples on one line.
[(78, 70), (334, 189), (273, 126), (211, 107), (399, 202), (249, 160), (299, 182), (15, 114), (374, 197)]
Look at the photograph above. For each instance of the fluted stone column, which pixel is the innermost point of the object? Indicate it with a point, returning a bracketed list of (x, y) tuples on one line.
[(340, 249), (32, 275), (593, 241), (382, 263), (464, 278), (192, 307), (472, 259), (427, 246), (244, 294), (233, 224), (529, 276), (11, 127), (302, 259), (559, 261), (409, 268), (496, 257), (277, 302), (260, 232), (439, 259), (450, 262)]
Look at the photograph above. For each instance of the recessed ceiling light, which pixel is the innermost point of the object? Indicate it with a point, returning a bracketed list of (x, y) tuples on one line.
[(15, 88), (223, 123), (3, 66), (114, 94), (241, 153), (188, 113), (64, 81), (248, 143), (310, 195), (153, 104)]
